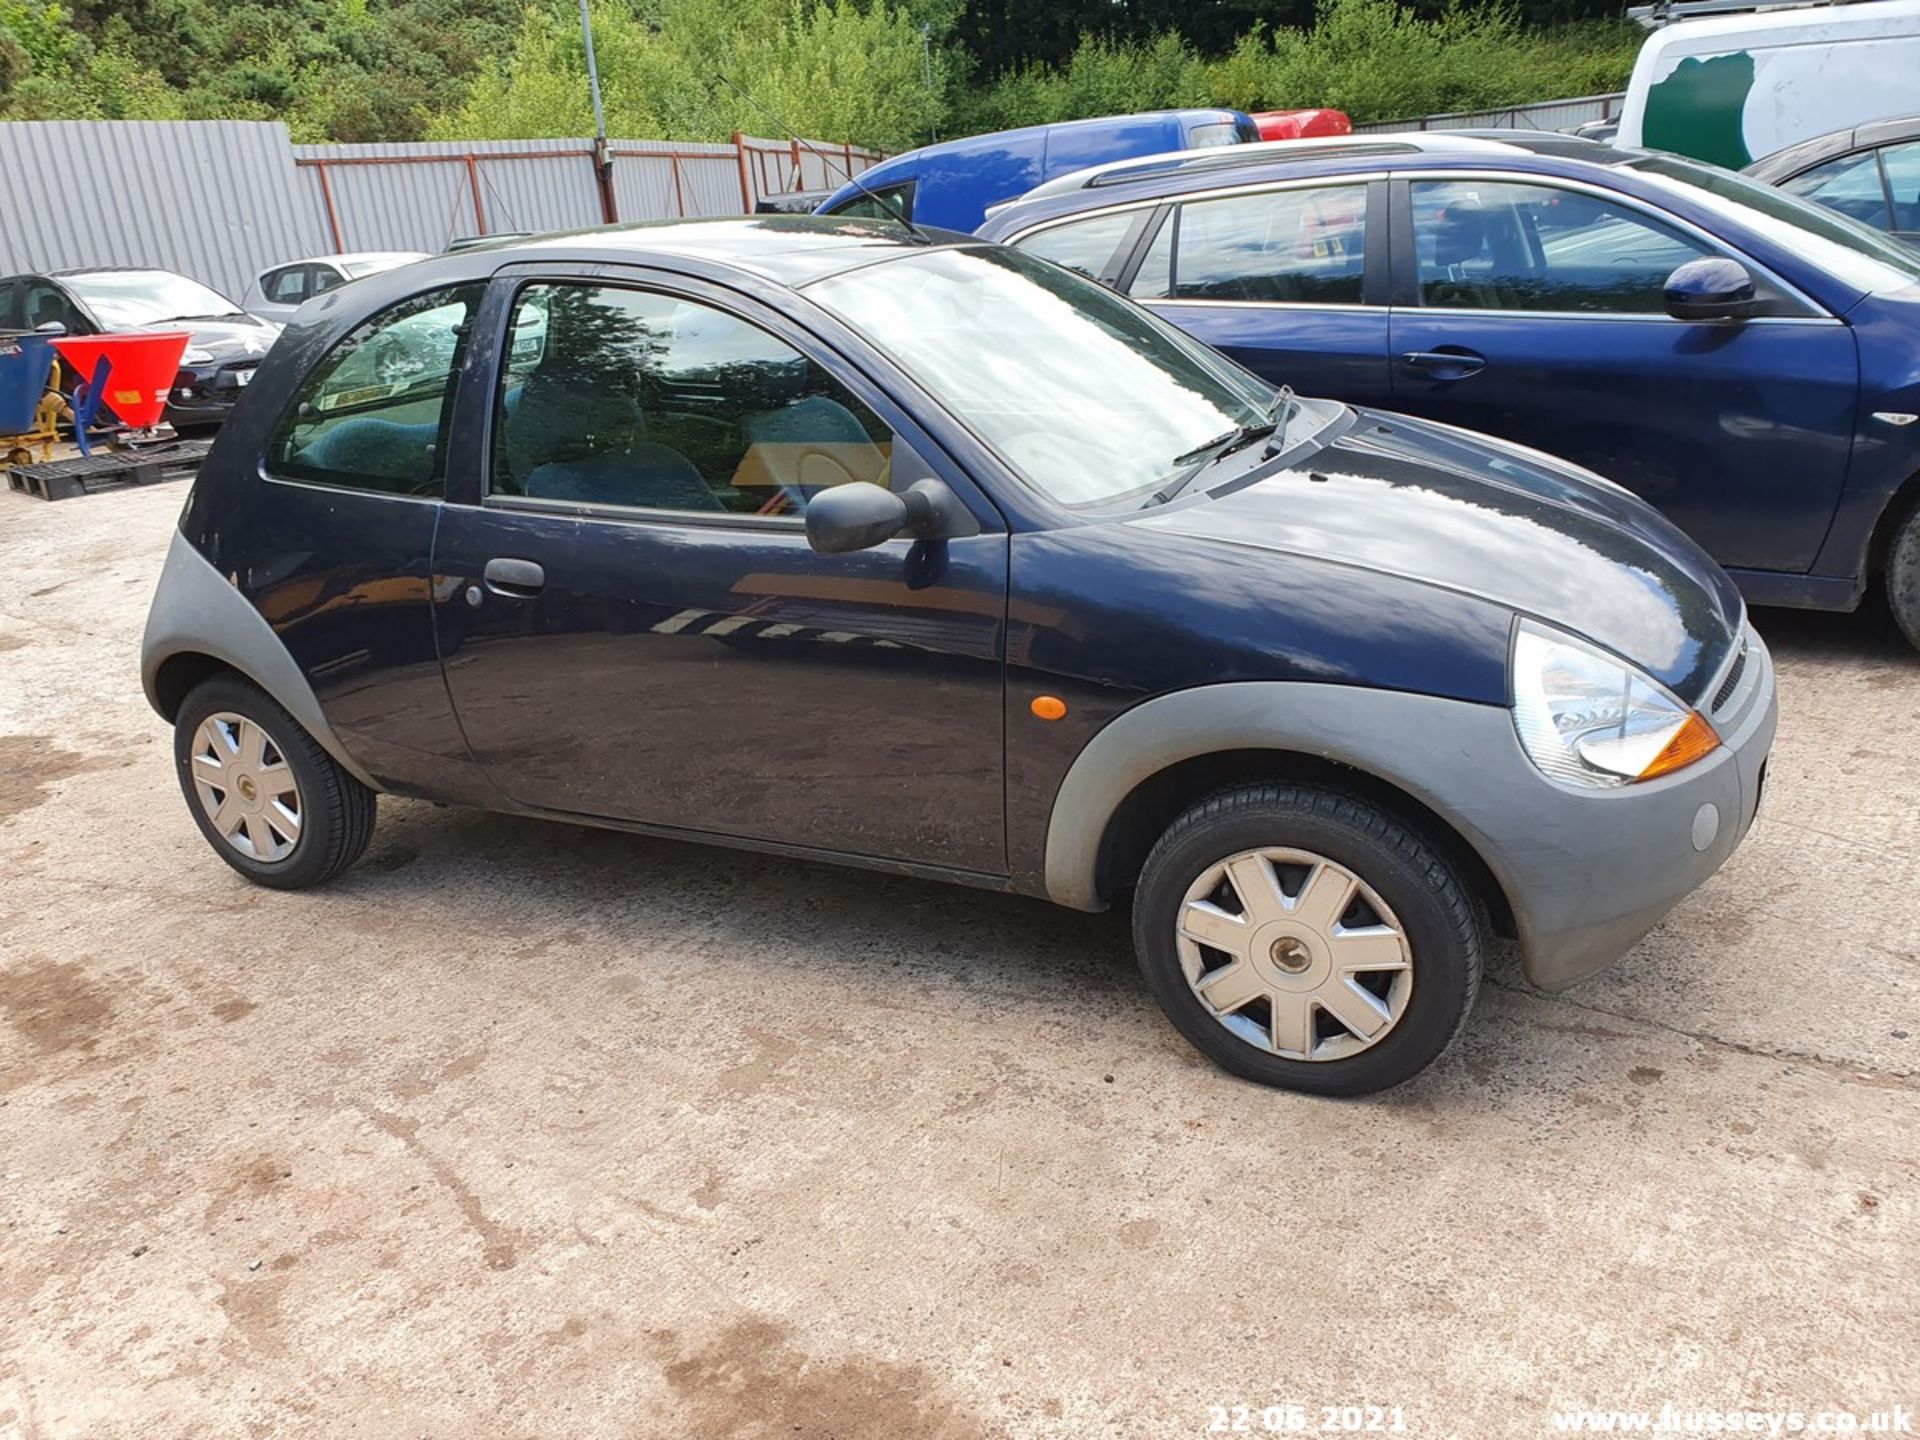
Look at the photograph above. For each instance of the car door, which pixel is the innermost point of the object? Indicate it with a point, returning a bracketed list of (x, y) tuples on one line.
[(341, 546), (1289, 281), (1535, 311), (634, 626)]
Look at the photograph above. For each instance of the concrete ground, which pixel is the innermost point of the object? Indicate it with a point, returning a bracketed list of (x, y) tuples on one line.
[(527, 1131)]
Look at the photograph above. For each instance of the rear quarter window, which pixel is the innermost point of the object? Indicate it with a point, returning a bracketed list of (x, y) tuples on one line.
[(373, 413)]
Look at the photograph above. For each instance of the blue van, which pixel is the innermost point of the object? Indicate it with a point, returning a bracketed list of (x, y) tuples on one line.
[(953, 184)]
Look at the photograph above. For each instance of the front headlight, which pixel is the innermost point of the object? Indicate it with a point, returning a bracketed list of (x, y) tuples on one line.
[(1588, 718), (194, 355)]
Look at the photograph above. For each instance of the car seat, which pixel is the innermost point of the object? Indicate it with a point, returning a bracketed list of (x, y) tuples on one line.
[(805, 446), (367, 445), (643, 474), (1457, 237)]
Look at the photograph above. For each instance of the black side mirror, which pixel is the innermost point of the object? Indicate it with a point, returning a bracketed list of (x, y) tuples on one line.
[(860, 515), (1712, 289)]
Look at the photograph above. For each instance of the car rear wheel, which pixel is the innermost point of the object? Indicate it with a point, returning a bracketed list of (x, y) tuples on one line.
[(1903, 576), (272, 803), (1307, 939)]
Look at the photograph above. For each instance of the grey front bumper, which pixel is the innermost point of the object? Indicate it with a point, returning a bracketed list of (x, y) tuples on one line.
[(1591, 872), (1585, 872)]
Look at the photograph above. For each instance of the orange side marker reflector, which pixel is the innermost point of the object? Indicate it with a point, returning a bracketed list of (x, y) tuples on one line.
[(1693, 740), (1049, 707)]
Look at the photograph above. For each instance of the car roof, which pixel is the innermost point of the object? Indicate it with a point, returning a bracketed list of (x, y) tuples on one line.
[(788, 250), (112, 270), (347, 255), (1183, 172), (1868, 134), (1271, 153)]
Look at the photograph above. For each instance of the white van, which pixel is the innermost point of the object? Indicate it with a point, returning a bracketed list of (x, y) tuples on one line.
[(1734, 88)]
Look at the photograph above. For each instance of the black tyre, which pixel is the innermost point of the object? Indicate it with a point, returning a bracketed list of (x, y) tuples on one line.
[(271, 802), (1903, 576), (1306, 939)]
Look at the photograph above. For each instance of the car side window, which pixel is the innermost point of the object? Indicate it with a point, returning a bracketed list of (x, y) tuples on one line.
[(287, 286), (324, 278), (373, 414), (1902, 164), (1301, 247), (1085, 246), (48, 305), (633, 398), (888, 203), (1850, 185), (1211, 136), (1487, 245), (10, 316)]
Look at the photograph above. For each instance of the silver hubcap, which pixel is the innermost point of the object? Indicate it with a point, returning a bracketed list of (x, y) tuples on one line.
[(1295, 954), (246, 787)]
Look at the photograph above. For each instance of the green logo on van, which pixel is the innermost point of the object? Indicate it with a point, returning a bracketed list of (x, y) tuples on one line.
[(1698, 110)]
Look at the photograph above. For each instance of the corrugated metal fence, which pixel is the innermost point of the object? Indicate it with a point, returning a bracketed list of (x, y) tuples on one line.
[(1547, 115), (222, 200), (215, 199)]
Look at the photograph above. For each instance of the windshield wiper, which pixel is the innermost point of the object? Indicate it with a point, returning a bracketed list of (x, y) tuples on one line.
[(220, 315), (1285, 406), (1203, 455)]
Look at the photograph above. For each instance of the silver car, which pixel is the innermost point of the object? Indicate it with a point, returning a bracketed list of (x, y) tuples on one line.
[(275, 294)]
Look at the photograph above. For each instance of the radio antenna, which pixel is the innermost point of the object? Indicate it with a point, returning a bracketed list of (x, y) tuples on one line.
[(887, 204)]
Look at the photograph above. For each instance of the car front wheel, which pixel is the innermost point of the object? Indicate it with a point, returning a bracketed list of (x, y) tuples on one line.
[(1307, 939), (272, 803), (1903, 576)]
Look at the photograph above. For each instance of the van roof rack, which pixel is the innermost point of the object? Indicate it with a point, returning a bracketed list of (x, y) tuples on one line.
[(1666, 12)]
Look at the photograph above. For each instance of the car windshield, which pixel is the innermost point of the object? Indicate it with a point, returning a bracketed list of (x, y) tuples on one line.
[(1084, 395), (147, 297), (1857, 253)]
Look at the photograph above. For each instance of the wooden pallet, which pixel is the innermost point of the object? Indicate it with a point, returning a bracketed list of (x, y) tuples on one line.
[(85, 474)]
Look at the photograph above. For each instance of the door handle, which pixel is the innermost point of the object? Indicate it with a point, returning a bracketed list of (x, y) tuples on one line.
[(1446, 364), (517, 579)]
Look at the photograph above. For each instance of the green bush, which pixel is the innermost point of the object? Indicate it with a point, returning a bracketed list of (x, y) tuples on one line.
[(882, 73), (1374, 59), (833, 70)]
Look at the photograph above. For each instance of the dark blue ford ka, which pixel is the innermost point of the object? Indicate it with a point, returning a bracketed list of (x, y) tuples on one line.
[(900, 549), (1745, 360)]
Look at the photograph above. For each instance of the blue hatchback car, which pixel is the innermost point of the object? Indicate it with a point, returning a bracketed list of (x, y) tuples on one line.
[(907, 551), (1746, 361)]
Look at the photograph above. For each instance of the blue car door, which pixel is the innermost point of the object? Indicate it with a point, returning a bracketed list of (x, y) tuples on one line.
[(633, 624), (1534, 311), (1290, 281)]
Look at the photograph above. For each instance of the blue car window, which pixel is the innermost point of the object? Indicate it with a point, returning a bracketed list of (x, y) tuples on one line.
[(1902, 164), (631, 398), (1083, 246), (1850, 185), (1302, 247), (889, 202), (1486, 245), (372, 415)]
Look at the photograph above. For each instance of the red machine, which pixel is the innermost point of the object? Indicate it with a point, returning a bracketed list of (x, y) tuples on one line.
[(1301, 124), (131, 374)]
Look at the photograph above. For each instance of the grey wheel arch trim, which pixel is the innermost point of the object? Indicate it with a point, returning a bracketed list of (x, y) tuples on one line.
[(196, 611), (1586, 873), (1375, 731)]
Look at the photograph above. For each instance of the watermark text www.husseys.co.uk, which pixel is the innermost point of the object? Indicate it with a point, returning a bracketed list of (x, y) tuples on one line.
[(1672, 1420)]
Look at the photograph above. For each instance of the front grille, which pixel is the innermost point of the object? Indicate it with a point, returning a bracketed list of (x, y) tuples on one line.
[(1732, 682)]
